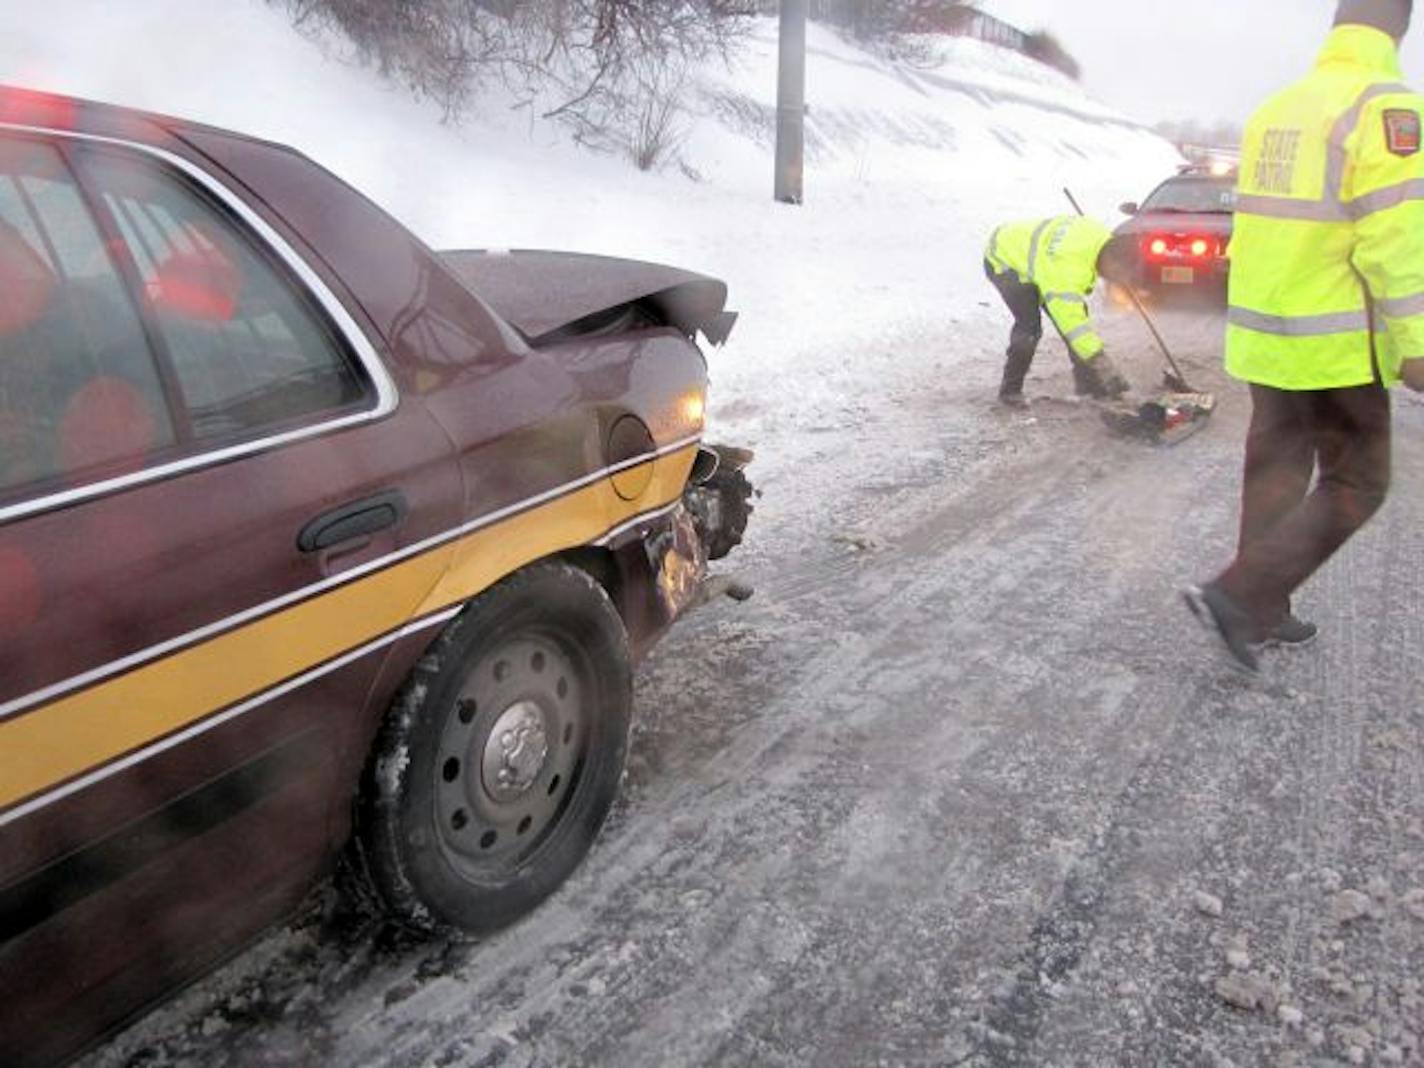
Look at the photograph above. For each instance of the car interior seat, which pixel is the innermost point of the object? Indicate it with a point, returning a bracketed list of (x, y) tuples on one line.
[(26, 434), (77, 381)]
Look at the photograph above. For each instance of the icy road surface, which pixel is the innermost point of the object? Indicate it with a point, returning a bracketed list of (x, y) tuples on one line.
[(962, 785)]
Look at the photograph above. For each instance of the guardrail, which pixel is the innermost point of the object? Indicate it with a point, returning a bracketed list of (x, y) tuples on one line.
[(985, 28)]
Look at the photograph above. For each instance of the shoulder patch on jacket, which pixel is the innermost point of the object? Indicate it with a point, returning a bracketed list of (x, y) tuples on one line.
[(1401, 131)]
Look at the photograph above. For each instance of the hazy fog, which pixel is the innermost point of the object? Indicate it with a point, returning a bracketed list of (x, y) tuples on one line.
[(1204, 59)]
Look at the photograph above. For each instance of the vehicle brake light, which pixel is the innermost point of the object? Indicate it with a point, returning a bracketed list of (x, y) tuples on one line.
[(31, 107), (1199, 247), (1158, 247)]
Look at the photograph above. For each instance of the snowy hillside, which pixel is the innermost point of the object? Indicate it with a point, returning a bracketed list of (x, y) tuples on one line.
[(908, 171)]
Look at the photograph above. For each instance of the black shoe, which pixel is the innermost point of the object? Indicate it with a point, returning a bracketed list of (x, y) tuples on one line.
[(1013, 400), (1226, 619), (1291, 633)]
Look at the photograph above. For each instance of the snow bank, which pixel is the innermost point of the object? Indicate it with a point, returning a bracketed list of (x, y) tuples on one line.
[(856, 291)]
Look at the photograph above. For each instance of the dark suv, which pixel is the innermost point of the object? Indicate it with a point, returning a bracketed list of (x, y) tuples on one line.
[(305, 546)]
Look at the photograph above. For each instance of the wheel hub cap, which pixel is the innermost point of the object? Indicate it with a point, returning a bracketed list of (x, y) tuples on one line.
[(516, 751)]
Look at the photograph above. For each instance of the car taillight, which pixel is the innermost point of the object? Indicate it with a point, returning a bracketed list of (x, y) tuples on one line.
[(1180, 246)]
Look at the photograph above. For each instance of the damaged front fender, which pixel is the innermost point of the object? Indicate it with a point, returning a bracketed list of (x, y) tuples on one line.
[(708, 524), (679, 563)]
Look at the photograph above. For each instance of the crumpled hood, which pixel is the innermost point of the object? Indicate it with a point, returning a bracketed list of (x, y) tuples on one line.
[(542, 292)]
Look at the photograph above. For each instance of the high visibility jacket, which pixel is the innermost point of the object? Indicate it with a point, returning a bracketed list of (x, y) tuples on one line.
[(1327, 258), (1060, 257)]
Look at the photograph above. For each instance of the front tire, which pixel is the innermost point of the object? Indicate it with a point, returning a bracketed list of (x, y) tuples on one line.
[(499, 762)]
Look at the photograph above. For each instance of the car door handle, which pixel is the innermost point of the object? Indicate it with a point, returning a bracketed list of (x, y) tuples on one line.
[(358, 519)]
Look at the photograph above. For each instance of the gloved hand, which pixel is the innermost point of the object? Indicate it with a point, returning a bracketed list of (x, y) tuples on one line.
[(1412, 371), (1110, 380)]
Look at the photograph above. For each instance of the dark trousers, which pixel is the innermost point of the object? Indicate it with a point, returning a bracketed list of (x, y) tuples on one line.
[(1025, 302), (1288, 530)]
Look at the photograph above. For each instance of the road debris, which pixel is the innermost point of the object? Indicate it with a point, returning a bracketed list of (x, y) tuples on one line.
[(1248, 991), (1207, 904), (1350, 906)]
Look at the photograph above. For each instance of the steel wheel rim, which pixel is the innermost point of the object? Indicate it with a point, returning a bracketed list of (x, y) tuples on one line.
[(512, 753)]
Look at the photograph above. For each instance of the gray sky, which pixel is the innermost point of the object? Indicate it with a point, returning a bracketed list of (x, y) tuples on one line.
[(1201, 59)]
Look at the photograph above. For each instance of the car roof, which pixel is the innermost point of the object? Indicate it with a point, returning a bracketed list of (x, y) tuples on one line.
[(23, 107)]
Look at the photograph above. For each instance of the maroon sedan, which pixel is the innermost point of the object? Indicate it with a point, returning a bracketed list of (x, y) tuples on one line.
[(311, 539), (1177, 238)]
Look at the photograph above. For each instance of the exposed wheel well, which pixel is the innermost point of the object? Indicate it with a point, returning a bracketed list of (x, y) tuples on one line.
[(627, 576), (603, 566)]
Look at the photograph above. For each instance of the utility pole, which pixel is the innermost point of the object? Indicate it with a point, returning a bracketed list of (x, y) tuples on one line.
[(791, 103)]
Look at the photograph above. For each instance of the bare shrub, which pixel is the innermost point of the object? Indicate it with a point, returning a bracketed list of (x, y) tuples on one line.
[(436, 48), (657, 132), (582, 62), (1045, 48)]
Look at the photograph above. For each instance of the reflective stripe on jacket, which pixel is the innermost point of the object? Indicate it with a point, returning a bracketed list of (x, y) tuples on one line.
[(1330, 225), (1060, 257)]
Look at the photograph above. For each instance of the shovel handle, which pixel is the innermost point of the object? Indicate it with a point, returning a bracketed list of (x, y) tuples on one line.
[(1142, 310)]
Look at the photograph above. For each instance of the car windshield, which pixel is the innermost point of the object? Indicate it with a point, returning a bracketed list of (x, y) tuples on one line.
[(1193, 195)]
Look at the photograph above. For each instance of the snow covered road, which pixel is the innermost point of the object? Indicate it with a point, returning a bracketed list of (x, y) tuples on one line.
[(962, 785)]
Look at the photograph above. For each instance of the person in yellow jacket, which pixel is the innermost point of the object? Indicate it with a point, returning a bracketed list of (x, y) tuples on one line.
[(1052, 265), (1326, 312)]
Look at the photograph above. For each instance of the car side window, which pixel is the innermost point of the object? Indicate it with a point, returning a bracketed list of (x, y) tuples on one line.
[(249, 353), (80, 393)]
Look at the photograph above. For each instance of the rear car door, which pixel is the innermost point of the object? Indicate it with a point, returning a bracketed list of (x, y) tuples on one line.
[(204, 471)]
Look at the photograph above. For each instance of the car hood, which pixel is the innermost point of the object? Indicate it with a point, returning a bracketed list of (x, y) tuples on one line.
[(542, 293), (1215, 222)]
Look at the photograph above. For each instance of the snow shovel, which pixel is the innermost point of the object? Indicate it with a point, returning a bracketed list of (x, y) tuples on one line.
[(1167, 419)]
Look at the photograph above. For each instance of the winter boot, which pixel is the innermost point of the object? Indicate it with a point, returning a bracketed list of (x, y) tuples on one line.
[(1085, 383), (1110, 379), (1291, 633), (1020, 359), (1222, 616)]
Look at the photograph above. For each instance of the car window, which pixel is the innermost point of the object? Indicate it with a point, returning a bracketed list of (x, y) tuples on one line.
[(249, 353), (80, 393), (1202, 195)]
